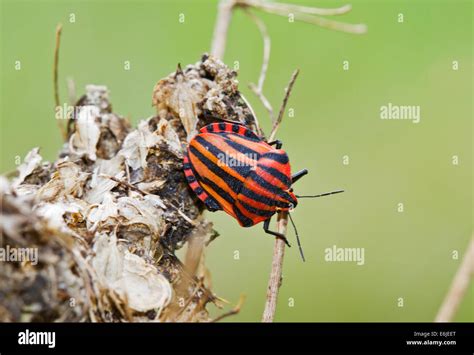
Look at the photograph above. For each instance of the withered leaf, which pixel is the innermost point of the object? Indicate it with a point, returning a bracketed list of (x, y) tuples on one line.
[(84, 140), (136, 145), (32, 161)]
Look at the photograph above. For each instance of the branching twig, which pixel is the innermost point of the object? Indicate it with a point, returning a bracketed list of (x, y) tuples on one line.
[(232, 312), (310, 15), (55, 77), (304, 9), (458, 287)]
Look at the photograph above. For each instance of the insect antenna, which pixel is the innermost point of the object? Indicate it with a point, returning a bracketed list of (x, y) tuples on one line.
[(297, 237), (321, 195)]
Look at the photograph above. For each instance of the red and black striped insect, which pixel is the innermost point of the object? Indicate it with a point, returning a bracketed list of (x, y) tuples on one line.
[(232, 169)]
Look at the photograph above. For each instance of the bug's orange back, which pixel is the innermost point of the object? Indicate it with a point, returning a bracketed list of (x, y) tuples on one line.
[(230, 168)]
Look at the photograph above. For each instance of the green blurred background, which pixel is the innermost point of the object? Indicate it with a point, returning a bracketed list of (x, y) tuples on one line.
[(407, 254)]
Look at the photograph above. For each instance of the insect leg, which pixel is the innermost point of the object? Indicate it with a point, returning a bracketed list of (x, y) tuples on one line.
[(266, 228), (278, 144), (298, 175)]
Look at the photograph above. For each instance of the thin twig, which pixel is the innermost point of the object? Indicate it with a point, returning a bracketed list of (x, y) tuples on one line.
[(310, 15), (257, 124), (304, 9), (124, 183), (56, 63), (274, 282), (263, 100), (232, 312), (288, 90), (221, 29), (258, 89), (266, 46), (356, 29), (55, 78), (458, 286)]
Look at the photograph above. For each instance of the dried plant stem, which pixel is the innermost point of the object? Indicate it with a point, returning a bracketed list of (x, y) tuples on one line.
[(194, 253), (56, 64), (124, 183), (258, 89), (288, 90), (263, 100), (221, 29), (55, 77), (266, 48), (310, 15), (274, 282), (458, 287), (232, 312), (305, 9)]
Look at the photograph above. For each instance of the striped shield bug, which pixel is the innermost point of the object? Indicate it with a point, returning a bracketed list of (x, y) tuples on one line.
[(231, 168)]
